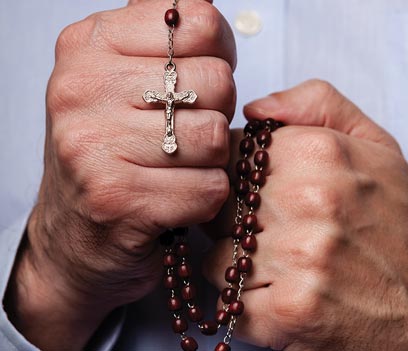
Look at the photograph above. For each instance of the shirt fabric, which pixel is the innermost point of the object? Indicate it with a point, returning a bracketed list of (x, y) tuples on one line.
[(361, 47)]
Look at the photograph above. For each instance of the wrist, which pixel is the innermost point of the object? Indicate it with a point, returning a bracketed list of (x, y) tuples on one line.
[(43, 306)]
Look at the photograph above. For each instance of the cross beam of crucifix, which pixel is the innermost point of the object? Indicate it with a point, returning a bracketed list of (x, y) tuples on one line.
[(170, 98)]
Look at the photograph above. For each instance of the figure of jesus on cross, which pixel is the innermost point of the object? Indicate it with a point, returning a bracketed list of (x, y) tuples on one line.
[(170, 98)]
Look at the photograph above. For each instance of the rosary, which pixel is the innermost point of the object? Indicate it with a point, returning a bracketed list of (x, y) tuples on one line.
[(178, 271)]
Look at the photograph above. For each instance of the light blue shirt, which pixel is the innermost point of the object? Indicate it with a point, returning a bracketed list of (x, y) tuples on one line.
[(360, 46)]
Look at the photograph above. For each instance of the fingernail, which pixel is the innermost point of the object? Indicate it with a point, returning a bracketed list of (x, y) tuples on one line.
[(265, 105)]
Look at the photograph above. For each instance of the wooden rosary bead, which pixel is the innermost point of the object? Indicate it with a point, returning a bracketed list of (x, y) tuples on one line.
[(238, 231), (252, 127), (257, 178), (279, 124), (242, 187), (179, 325), (261, 158), (184, 270), (248, 243), (244, 264), (269, 124), (236, 308), (247, 146), (170, 281), (222, 317), (250, 222), (243, 168), (171, 17), (232, 275), (189, 344), (264, 138), (228, 295), (253, 200), (169, 260), (222, 346), (209, 327), (174, 304), (195, 314), (188, 292), (183, 250)]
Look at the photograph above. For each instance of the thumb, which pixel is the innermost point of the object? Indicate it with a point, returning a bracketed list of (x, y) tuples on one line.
[(317, 103)]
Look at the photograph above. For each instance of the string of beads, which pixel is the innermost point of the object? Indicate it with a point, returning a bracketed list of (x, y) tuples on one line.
[(178, 270)]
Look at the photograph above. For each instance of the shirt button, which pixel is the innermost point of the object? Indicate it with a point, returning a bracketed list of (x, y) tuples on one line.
[(248, 23)]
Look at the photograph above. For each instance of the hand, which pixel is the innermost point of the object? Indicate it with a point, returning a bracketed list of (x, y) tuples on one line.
[(108, 189), (330, 271)]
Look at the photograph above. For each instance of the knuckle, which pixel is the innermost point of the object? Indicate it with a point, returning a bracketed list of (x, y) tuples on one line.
[(72, 37), (216, 131), (324, 146), (65, 91), (210, 22), (317, 200), (216, 193), (72, 143), (321, 88)]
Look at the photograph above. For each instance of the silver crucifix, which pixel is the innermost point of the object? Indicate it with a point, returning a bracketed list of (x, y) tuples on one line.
[(170, 98)]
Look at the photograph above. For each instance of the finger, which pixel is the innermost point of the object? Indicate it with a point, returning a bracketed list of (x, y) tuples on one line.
[(140, 30), (317, 103), (202, 138), (175, 197), (123, 80)]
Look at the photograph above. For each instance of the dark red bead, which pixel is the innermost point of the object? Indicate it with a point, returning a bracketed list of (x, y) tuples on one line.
[(222, 346), (246, 146), (252, 127), (250, 222), (243, 167), (261, 158), (242, 187), (222, 317), (195, 314), (183, 249), (236, 308), (253, 200), (257, 178), (264, 138), (238, 231), (244, 264), (188, 292), (228, 295), (184, 270), (171, 17), (170, 281), (232, 275), (209, 328), (167, 238), (189, 344), (249, 243), (169, 260), (179, 325), (269, 124), (279, 124), (174, 304)]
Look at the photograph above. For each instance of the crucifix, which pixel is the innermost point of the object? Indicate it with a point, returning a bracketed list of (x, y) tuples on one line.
[(170, 98)]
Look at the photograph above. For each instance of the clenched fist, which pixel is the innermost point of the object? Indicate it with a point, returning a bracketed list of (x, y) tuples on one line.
[(331, 268), (108, 189)]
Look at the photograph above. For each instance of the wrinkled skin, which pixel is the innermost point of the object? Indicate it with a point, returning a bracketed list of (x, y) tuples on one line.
[(108, 189), (331, 269), (330, 272)]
